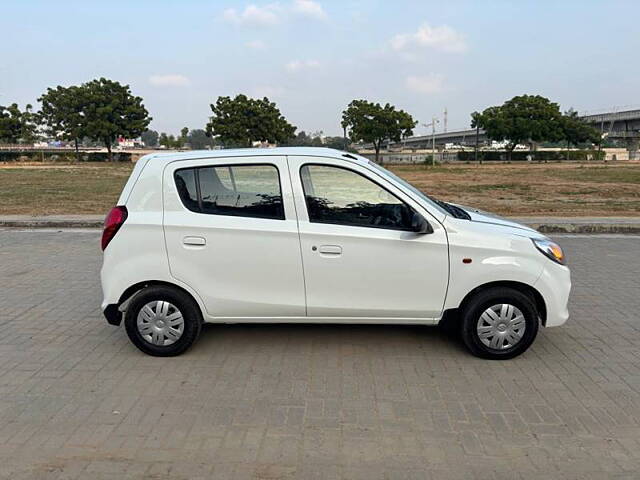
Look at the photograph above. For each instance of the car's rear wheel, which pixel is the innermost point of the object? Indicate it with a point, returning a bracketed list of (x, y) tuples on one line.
[(163, 321), (499, 323)]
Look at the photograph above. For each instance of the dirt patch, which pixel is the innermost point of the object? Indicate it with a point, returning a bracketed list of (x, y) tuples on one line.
[(538, 189), (507, 189)]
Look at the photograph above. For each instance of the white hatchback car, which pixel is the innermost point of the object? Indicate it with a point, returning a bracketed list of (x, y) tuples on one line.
[(313, 235)]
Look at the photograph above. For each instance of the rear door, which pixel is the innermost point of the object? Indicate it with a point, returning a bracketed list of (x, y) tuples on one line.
[(360, 257), (231, 235)]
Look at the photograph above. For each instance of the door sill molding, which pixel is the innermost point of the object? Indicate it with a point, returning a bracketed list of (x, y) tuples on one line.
[(328, 320)]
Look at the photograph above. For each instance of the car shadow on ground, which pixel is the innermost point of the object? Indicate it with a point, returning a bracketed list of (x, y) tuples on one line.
[(404, 339)]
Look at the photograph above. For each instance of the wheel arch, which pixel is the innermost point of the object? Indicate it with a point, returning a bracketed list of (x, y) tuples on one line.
[(524, 288), (131, 291)]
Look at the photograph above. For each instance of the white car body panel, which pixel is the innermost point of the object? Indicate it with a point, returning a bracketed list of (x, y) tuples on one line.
[(376, 273), (248, 267), (261, 270), (494, 255)]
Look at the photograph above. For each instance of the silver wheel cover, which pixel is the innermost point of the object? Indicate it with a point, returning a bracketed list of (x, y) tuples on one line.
[(501, 326), (160, 323)]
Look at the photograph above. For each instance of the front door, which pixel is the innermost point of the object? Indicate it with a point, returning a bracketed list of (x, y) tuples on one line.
[(360, 258), (231, 235)]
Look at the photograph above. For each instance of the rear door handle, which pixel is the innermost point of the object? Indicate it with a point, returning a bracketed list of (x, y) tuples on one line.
[(195, 241), (330, 250)]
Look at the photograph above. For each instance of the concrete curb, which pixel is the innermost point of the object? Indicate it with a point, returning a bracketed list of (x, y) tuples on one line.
[(628, 225), (50, 224), (586, 227)]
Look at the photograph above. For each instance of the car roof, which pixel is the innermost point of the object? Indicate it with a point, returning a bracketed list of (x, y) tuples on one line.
[(246, 152)]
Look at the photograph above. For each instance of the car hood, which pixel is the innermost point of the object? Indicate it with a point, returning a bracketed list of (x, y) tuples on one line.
[(487, 217)]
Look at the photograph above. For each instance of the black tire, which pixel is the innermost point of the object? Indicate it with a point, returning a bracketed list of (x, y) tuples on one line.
[(485, 299), (183, 302)]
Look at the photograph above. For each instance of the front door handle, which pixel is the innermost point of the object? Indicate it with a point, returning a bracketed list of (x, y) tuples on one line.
[(330, 250), (195, 241)]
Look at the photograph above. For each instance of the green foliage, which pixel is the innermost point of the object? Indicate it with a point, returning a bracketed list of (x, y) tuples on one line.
[(196, 139), (242, 120), (61, 156), (523, 119), (339, 144), (301, 139), (100, 110), (62, 112), (540, 155), (199, 140), (575, 131), (169, 141), (371, 122), (10, 123), (110, 111), (150, 138), (17, 126)]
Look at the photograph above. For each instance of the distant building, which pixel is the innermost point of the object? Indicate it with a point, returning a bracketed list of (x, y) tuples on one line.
[(129, 143)]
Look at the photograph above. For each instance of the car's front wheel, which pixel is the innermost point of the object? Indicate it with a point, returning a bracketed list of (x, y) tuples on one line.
[(163, 321), (499, 323)]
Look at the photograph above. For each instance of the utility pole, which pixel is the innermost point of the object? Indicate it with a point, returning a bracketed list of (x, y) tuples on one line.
[(344, 133), (477, 135), (445, 119), (434, 120)]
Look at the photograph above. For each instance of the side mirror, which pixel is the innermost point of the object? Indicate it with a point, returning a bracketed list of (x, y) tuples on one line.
[(420, 225)]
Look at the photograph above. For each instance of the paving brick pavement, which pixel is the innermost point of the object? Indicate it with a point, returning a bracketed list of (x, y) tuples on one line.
[(77, 400)]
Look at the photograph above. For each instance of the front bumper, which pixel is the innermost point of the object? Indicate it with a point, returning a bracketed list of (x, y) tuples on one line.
[(113, 314), (554, 285)]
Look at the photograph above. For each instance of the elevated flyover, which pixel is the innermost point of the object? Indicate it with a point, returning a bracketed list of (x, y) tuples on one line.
[(616, 125)]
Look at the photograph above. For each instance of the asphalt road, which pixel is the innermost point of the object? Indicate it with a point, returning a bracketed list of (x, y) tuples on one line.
[(77, 400)]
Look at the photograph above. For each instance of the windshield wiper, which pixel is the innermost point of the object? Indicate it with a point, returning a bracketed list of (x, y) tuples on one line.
[(454, 211)]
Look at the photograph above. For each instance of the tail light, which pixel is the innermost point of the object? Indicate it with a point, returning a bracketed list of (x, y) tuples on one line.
[(112, 224)]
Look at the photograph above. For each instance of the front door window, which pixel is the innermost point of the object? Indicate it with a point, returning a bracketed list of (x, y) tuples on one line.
[(341, 196)]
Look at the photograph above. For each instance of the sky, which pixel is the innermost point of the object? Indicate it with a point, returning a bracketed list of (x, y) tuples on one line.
[(312, 57)]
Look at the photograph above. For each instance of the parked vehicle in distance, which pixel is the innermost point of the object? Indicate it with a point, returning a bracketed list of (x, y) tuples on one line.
[(314, 235)]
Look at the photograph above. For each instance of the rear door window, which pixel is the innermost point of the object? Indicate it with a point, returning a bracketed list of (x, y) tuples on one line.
[(235, 190)]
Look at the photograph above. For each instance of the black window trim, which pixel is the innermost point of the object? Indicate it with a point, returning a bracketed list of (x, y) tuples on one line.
[(196, 174), (365, 177)]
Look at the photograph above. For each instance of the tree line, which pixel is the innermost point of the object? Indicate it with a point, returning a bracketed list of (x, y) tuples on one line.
[(532, 119), (103, 110)]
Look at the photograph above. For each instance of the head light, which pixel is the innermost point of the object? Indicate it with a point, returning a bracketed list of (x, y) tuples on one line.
[(550, 249)]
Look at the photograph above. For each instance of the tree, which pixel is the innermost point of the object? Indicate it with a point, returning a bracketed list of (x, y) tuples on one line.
[(10, 123), (167, 141), (29, 125), (575, 131), (149, 138), (242, 120), (337, 143), (199, 140), (17, 126), (110, 111), (62, 113), (526, 118), (371, 122), (300, 139)]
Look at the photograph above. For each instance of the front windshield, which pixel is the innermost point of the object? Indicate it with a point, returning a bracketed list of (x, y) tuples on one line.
[(432, 201)]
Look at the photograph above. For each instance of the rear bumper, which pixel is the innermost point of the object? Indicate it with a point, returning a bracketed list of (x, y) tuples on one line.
[(554, 285), (112, 314)]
